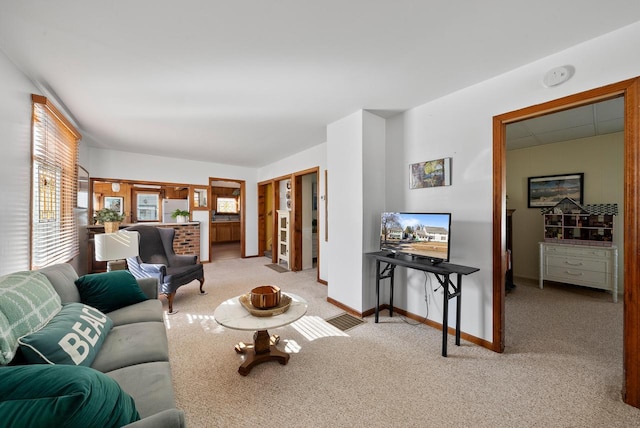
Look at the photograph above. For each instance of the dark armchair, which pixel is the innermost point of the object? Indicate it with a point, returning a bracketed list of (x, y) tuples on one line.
[(158, 260)]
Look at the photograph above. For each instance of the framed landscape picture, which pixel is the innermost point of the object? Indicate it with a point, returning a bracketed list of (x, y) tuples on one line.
[(548, 190)]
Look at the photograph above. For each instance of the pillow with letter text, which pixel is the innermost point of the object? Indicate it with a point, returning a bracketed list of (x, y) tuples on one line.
[(74, 336)]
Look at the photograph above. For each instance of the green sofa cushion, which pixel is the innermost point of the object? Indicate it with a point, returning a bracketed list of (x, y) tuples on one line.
[(27, 302), (109, 291), (74, 336), (62, 396)]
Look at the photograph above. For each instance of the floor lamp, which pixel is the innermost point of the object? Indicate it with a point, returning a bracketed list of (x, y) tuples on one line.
[(115, 247)]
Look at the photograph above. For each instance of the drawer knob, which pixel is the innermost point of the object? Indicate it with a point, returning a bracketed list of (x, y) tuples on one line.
[(573, 264)]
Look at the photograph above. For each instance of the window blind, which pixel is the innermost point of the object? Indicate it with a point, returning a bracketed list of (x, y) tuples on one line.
[(54, 234)]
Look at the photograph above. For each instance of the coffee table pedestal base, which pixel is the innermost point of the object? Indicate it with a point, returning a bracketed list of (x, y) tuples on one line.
[(263, 349)]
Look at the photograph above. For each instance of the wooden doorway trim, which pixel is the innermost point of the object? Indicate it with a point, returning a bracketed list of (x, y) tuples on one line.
[(243, 196), (268, 189), (262, 217), (296, 220), (630, 89)]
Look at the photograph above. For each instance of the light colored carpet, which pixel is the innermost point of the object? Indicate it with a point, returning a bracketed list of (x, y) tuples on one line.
[(562, 366)]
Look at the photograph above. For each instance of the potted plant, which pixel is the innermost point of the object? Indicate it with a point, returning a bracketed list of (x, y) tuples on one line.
[(181, 216), (111, 219)]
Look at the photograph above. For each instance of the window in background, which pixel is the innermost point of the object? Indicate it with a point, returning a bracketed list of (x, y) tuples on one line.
[(227, 205), (54, 237), (147, 206)]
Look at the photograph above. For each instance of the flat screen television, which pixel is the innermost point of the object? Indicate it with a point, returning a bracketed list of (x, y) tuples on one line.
[(425, 235)]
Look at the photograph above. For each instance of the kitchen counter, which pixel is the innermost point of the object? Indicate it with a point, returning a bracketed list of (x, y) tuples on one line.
[(146, 223)]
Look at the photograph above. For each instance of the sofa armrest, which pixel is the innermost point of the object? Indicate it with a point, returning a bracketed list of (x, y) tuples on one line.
[(170, 418), (149, 287)]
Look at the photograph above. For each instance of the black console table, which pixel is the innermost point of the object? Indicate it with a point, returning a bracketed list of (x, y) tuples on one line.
[(442, 272)]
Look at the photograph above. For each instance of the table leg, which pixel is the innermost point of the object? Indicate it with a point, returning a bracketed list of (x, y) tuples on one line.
[(458, 308), (392, 273), (377, 287), (445, 315), (264, 349)]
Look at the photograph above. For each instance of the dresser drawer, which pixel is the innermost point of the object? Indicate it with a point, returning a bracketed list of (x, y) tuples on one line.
[(578, 251), (577, 276), (589, 264)]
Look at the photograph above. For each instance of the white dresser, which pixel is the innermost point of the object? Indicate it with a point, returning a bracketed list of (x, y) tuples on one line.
[(590, 266)]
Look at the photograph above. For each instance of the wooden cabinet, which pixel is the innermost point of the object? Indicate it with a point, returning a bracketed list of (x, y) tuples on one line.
[(225, 231), (590, 266), (235, 231), (283, 237)]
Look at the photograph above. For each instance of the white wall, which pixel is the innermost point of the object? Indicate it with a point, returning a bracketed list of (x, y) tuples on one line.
[(205, 224), (15, 174), (600, 158), (314, 157), (356, 164), (344, 199), (15, 179), (133, 166), (373, 199), (434, 131), (460, 126)]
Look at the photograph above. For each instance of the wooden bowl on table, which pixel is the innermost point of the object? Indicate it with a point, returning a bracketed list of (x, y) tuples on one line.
[(265, 296)]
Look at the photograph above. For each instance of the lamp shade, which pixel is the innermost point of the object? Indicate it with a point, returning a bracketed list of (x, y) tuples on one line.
[(116, 246)]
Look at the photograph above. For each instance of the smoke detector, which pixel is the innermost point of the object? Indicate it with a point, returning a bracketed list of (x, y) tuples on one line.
[(558, 75)]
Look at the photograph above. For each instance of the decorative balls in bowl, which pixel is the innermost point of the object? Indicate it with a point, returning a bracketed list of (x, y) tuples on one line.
[(265, 297)]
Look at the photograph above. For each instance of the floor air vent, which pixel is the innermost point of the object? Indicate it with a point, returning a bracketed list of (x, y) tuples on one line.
[(345, 321)]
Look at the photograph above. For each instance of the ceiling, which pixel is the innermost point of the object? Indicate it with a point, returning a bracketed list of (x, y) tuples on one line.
[(591, 120), (252, 81)]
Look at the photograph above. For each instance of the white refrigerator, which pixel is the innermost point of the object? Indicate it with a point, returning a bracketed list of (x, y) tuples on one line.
[(170, 205)]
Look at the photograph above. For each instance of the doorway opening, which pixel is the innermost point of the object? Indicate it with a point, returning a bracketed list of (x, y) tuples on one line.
[(630, 90), (226, 235), (297, 194)]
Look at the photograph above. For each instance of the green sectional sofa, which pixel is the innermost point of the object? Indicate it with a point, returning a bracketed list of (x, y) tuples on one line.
[(89, 351)]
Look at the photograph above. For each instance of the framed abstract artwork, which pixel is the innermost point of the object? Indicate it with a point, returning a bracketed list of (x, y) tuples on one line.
[(433, 173)]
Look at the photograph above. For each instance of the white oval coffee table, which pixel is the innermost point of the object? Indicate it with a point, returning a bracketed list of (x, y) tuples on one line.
[(232, 314)]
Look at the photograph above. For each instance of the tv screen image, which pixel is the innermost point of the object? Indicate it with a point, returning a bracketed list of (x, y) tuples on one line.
[(424, 235)]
